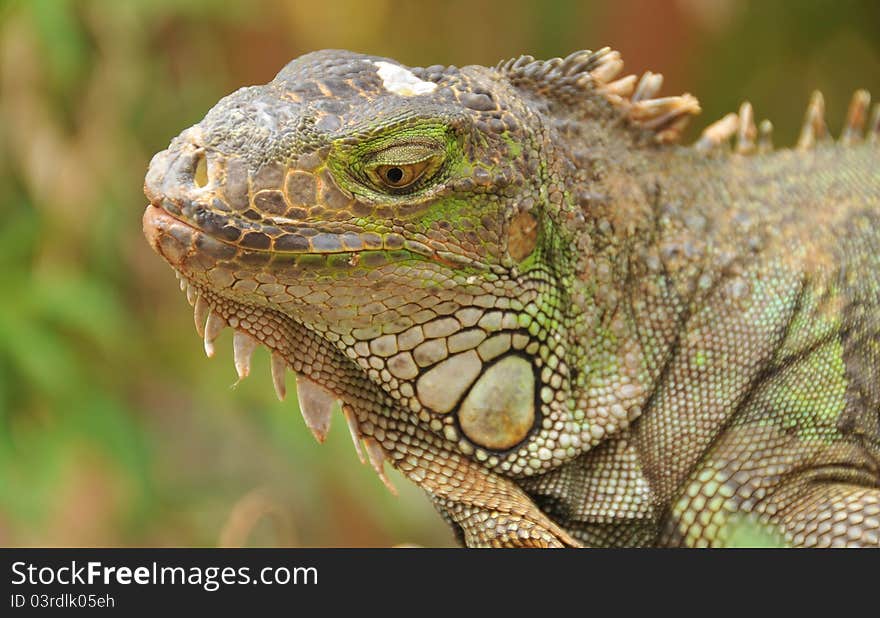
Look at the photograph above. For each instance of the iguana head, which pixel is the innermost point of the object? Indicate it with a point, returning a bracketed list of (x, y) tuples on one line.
[(402, 239)]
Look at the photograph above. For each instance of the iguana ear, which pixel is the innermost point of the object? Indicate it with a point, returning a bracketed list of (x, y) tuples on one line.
[(577, 78)]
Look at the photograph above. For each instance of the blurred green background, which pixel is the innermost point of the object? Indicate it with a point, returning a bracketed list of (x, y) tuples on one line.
[(114, 428)]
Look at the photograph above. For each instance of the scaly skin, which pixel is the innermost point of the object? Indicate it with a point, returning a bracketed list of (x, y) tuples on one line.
[(565, 328)]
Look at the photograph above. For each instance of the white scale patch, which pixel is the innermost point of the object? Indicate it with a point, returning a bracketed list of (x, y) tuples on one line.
[(401, 81)]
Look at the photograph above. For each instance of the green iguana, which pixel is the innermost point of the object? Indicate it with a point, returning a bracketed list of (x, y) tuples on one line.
[(563, 326)]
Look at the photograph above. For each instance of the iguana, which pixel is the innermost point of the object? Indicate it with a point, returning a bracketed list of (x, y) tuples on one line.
[(565, 327)]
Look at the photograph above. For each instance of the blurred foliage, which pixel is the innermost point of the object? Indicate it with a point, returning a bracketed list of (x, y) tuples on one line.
[(114, 430)]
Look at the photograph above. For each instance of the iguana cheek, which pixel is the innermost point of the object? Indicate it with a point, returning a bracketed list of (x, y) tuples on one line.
[(499, 410)]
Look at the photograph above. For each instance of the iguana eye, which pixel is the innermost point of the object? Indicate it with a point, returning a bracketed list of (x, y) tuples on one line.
[(400, 176), (405, 166)]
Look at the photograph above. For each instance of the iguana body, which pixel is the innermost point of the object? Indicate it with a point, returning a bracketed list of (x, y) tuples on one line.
[(561, 325)]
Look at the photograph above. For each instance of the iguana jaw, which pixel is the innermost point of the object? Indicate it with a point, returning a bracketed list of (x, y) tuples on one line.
[(189, 222), (291, 344)]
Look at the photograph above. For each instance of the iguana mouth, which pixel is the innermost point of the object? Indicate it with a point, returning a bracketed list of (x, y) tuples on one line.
[(280, 235)]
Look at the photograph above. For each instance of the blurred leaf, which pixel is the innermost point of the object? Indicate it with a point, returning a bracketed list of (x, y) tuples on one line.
[(81, 304), (39, 354), (62, 38)]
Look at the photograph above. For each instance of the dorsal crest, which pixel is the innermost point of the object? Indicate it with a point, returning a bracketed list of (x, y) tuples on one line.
[(741, 129), (584, 73)]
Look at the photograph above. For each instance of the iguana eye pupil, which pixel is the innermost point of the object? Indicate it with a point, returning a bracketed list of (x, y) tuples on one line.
[(394, 175)]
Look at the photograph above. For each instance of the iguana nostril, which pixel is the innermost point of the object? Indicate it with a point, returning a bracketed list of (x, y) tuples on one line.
[(200, 175)]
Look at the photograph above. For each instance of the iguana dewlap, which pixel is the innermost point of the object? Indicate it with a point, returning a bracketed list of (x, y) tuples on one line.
[(563, 326)]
